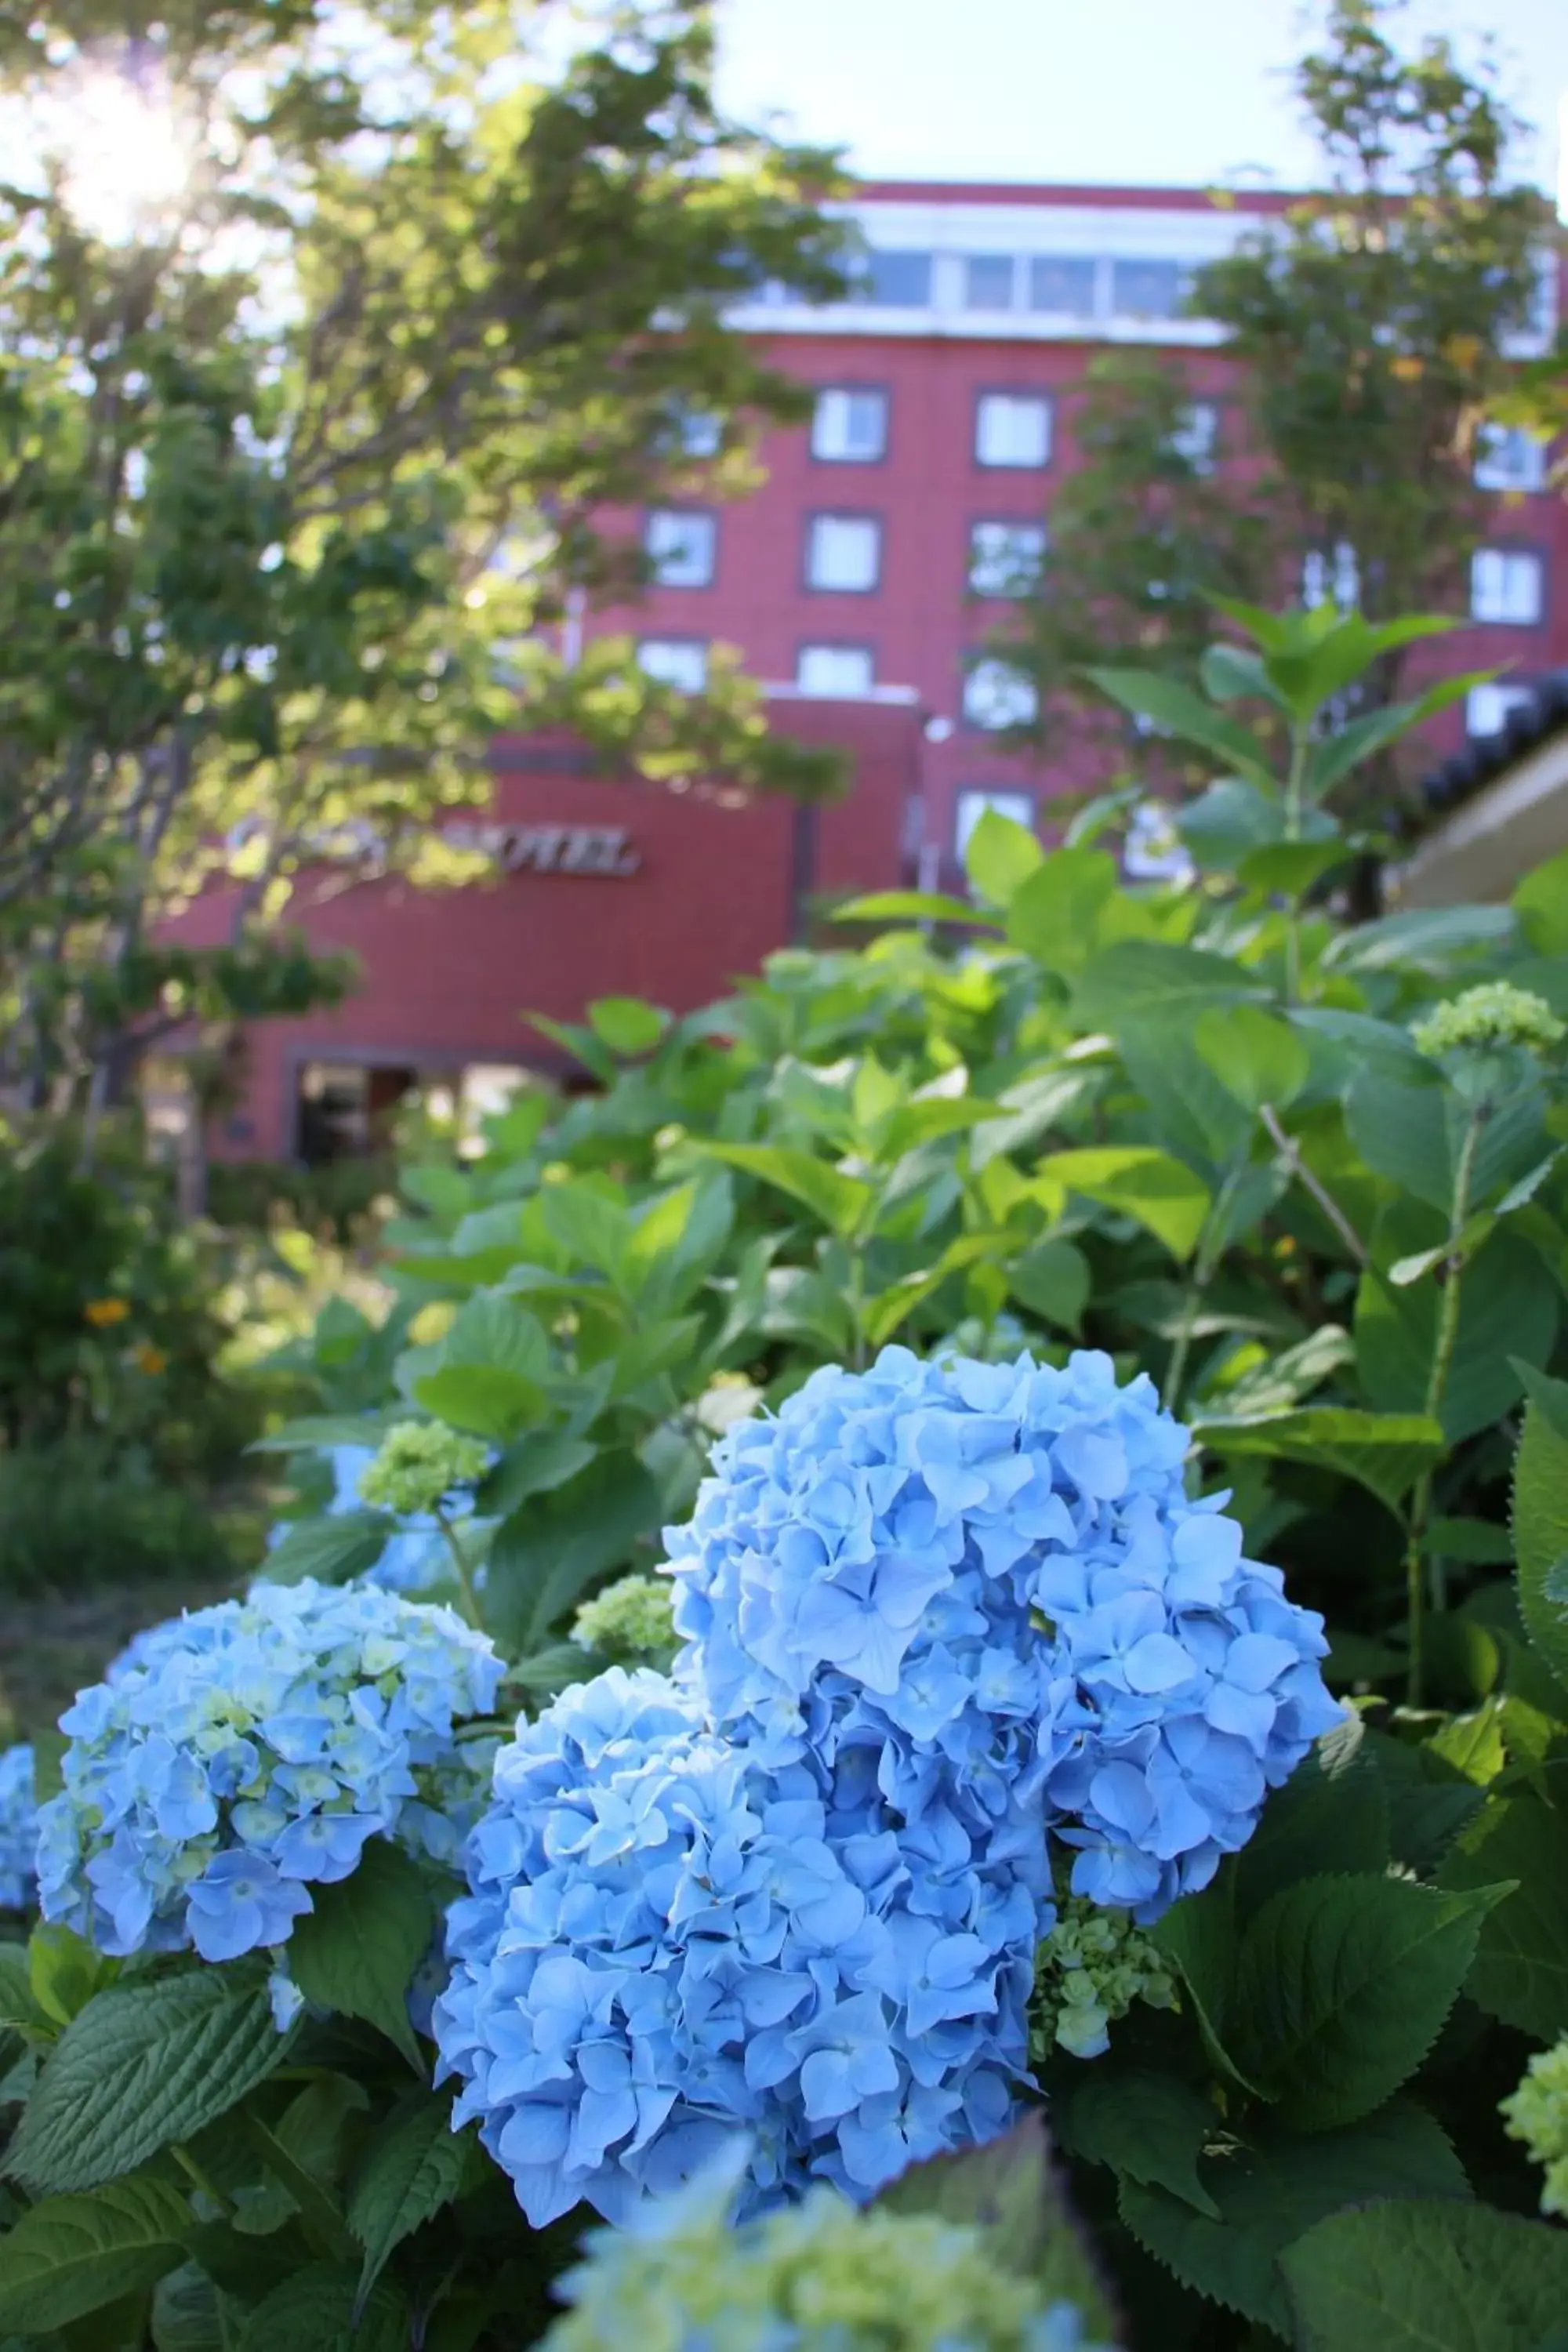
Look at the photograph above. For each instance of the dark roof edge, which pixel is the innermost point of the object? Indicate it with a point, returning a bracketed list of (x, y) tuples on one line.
[(1487, 757)]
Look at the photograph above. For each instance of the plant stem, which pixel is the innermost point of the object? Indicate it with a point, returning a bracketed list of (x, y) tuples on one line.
[(200, 2178), (459, 1560), (1285, 1146), (1436, 1385), (1204, 1258)]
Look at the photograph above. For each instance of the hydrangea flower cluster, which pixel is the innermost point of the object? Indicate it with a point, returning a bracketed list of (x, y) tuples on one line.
[(418, 1464), (631, 1622), (239, 1755), (1536, 2114), (18, 1827), (414, 1558), (934, 1615), (1088, 1972), (819, 2275), (1490, 1018)]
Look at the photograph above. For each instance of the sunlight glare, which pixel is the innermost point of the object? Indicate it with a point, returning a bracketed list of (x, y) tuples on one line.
[(123, 154)]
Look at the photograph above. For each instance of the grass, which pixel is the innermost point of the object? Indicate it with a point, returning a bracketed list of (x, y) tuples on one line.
[(53, 1644)]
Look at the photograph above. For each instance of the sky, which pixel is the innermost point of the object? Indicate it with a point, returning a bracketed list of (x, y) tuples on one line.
[(1150, 92)]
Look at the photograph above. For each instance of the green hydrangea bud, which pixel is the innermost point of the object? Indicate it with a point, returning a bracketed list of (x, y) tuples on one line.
[(631, 1622), (1536, 2114), (419, 1462), (1489, 1019), (819, 2273), (1088, 1972)]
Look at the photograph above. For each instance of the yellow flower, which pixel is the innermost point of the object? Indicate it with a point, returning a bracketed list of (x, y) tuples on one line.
[(148, 1358), (101, 1312), (1407, 368)]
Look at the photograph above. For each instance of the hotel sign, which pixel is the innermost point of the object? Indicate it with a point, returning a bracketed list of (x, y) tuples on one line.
[(605, 850)]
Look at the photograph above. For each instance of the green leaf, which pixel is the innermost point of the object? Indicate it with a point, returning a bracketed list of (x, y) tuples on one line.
[(64, 1971), (1150, 2127), (71, 2256), (1383, 1452), (626, 1024), (481, 1400), (882, 1315), (1006, 2187), (1235, 674), (1426, 2275), (1228, 822), (142, 2065), (1331, 1814), (1137, 977), (547, 1554), (1269, 2192), (191, 2314), (1401, 1132), (1177, 711), (1256, 1056), (999, 857), (357, 1950), (1156, 1189), (1198, 1936), (317, 2207), (1423, 938), (1478, 1543), (1340, 754), (909, 907), (1541, 902), (19, 2006), (1505, 1306), (413, 2168), (320, 1431), (318, 2310), (331, 1550), (1341, 1988), (840, 1202), (1291, 867), (1054, 914), (1053, 1280), (1521, 1972), (1540, 1529)]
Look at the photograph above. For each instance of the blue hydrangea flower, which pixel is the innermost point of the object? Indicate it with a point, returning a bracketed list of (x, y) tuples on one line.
[(669, 1941), (18, 1829), (992, 1575), (238, 1756), (935, 1614)]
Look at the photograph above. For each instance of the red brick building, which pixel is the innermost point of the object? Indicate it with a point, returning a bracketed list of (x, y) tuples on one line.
[(857, 584)]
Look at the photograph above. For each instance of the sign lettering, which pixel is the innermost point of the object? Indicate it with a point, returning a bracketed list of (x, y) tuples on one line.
[(604, 850)]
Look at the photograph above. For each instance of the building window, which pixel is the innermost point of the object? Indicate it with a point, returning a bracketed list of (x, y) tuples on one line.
[(1147, 289), (972, 805), (844, 552), (1063, 285), (1013, 428), (695, 433), (1487, 709), (894, 281), (835, 670), (681, 548), (1330, 576), (680, 662), (1154, 851), (1508, 459), (1005, 558), (1196, 437), (849, 428), (996, 694), (988, 281), (1506, 585)]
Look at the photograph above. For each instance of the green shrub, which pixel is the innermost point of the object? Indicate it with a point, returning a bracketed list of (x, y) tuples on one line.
[(82, 1512)]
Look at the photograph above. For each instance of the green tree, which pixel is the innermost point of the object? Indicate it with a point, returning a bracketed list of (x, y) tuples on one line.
[(1365, 330), (308, 432)]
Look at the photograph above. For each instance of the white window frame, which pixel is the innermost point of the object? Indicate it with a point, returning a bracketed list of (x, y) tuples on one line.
[(999, 427), (704, 532), (817, 527), (1331, 577), (1510, 459), (824, 655), (1498, 595), (972, 802), (1488, 706), (997, 695), (988, 571), (689, 653), (829, 424)]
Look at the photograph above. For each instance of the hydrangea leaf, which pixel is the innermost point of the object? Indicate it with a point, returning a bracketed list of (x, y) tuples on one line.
[(1271, 2191), (1256, 1056), (331, 1550), (142, 2065), (411, 2168), (1152, 1187), (1504, 1308), (909, 907), (840, 1202), (999, 857), (1152, 2128), (69, 2256), (1426, 2275), (192, 2314), (1331, 1815), (1521, 1972), (1383, 1452), (486, 1400), (1541, 1527), (357, 1950), (549, 1550), (318, 2310), (1342, 1985), (1008, 2188)]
